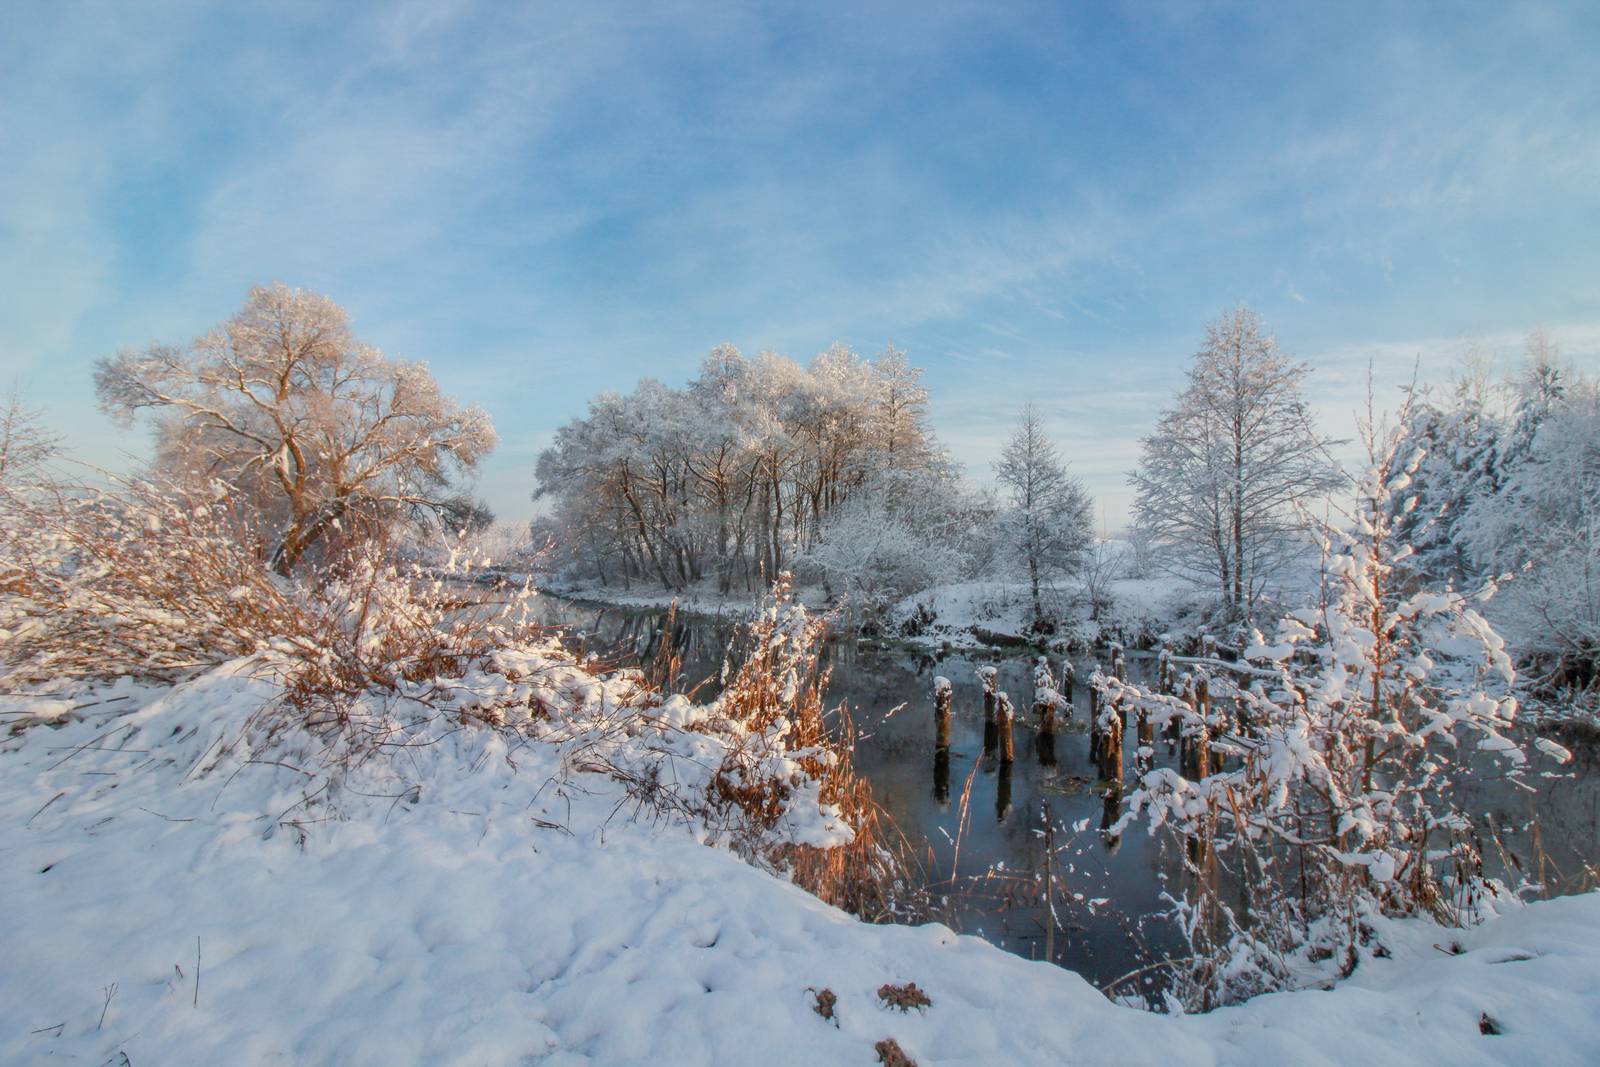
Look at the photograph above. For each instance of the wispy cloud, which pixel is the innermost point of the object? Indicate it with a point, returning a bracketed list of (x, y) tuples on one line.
[(1037, 200)]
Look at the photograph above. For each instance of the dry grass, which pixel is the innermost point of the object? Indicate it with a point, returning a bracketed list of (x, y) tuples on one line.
[(778, 688), (156, 582)]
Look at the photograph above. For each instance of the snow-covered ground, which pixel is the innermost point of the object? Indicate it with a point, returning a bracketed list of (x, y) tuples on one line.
[(173, 898)]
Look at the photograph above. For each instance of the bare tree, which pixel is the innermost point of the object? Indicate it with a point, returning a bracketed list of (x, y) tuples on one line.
[(1219, 477), (316, 429), (26, 444), (1049, 518)]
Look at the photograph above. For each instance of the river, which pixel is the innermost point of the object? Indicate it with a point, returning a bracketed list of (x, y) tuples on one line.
[(981, 831)]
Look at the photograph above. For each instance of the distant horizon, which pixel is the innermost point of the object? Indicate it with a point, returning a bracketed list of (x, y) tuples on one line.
[(1033, 201)]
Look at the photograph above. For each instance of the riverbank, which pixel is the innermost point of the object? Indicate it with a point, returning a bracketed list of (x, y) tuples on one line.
[(966, 615), (474, 901)]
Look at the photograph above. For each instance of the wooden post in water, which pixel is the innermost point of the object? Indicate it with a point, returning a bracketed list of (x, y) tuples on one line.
[(1045, 700), (1196, 737), (1067, 680), (986, 675), (1094, 717), (1003, 714), (1145, 737), (1111, 728), (942, 693)]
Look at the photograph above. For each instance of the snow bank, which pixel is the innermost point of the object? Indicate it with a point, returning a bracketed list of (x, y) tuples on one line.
[(474, 899)]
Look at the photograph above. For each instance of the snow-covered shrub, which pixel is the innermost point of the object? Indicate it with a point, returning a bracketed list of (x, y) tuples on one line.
[(778, 787), (154, 582), (1351, 736), (373, 659)]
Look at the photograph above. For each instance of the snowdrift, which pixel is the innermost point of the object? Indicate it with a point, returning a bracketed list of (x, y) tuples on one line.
[(180, 888)]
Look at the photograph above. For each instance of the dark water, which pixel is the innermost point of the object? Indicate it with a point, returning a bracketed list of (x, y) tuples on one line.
[(980, 832)]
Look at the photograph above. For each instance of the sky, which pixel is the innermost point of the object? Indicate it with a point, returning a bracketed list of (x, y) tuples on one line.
[(1039, 201)]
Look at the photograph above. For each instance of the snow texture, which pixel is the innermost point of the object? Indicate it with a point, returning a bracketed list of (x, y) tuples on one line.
[(476, 901)]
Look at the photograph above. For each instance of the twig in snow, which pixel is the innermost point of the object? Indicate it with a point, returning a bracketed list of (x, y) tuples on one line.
[(169, 818), (47, 803), (110, 991), (197, 970)]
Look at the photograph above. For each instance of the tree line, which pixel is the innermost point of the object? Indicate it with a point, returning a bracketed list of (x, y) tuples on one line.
[(759, 466)]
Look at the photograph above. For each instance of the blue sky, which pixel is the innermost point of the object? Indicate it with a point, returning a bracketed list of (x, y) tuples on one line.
[(1040, 201)]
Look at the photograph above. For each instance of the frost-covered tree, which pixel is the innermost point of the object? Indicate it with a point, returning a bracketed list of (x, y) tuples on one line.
[(1048, 518), (1501, 516), (1220, 476), (1462, 428), (1352, 745), (315, 430), (744, 472)]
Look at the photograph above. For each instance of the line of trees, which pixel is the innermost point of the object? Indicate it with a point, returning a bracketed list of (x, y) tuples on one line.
[(1509, 484), (735, 476), (759, 466)]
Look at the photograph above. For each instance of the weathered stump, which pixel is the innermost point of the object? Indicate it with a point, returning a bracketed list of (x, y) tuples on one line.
[(986, 675), (942, 695), (1004, 714), (1094, 719), (1110, 749), (1195, 760)]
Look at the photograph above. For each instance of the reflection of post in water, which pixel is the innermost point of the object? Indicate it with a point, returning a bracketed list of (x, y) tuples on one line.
[(1109, 815), (941, 777), (1002, 796), (986, 675)]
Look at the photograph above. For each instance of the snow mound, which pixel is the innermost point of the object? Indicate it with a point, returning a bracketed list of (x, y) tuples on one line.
[(178, 891)]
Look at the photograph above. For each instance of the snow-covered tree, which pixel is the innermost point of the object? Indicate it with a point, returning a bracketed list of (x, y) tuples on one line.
[(745, 471), (1048, 520), (1358, 722), (1462, 427), (1220, 476), (1502, 520), (316, 430)]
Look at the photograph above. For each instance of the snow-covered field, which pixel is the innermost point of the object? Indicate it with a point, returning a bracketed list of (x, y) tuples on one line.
[(172, 898)]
